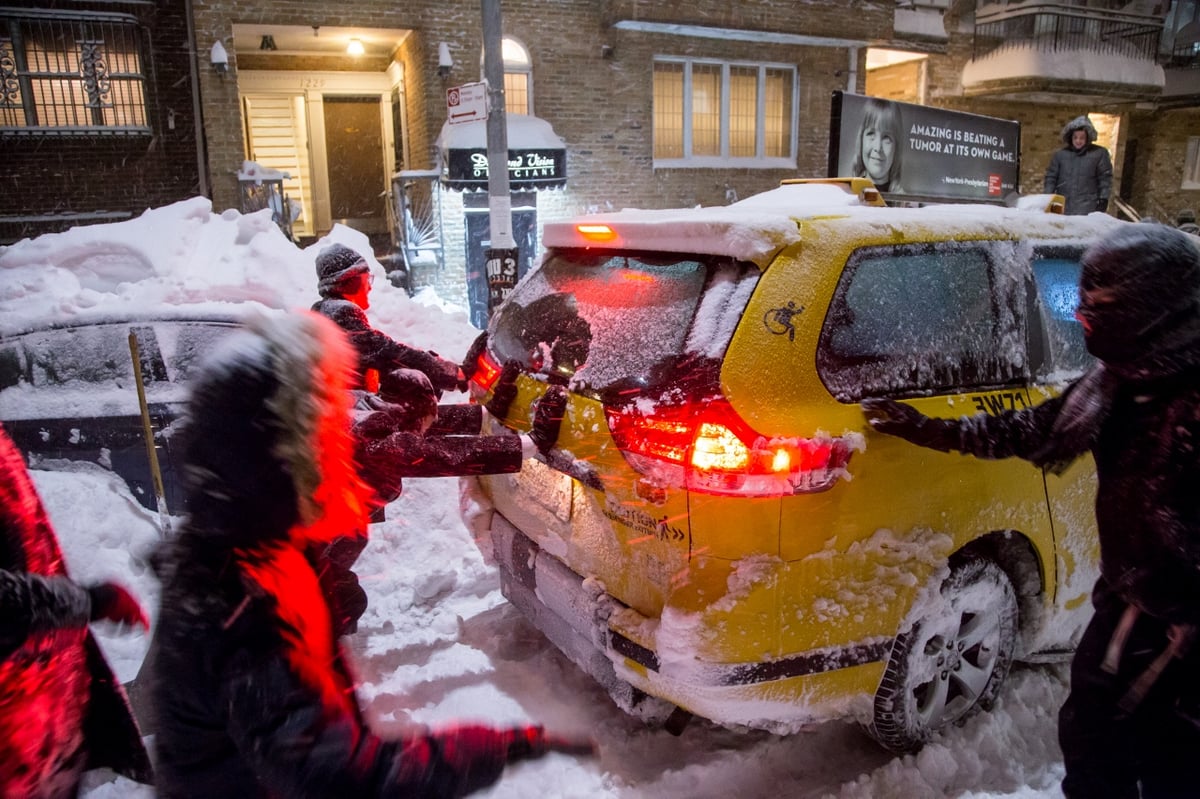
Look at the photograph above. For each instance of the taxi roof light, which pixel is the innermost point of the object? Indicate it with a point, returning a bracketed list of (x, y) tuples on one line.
[(596, 232)]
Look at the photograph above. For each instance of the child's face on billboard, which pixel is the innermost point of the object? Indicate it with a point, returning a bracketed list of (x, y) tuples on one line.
[(878, 150)]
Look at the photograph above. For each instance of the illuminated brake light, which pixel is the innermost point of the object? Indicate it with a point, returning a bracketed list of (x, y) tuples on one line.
[(596, 232), (486, 372), (710, 449)]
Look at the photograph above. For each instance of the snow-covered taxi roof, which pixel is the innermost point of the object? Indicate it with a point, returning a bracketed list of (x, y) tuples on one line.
[(756, 228)]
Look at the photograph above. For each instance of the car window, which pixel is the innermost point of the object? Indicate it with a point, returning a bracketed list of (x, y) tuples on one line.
[(12, 365), (621, 319), (1057, 280), (923, 318), (185, 344), (84, 354)]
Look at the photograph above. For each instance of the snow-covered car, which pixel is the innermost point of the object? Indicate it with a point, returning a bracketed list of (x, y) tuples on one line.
[(718, 532), (69, 390)]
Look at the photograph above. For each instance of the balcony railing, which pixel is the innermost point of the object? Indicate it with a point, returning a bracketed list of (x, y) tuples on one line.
[(1062, 27)]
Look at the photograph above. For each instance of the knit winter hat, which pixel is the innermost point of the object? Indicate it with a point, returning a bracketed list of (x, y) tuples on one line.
[(337, 264), (411, 391)]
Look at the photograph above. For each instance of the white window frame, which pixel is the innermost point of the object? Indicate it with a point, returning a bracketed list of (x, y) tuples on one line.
[(1191, 164), (724, 160)]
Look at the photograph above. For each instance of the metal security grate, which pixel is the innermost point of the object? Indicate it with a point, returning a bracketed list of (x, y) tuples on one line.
[(71, 73)]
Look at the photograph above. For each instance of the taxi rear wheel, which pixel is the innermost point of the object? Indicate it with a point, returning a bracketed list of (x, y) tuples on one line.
[(953, 659)]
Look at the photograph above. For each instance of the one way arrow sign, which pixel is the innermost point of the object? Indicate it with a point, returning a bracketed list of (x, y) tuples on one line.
[(466, 103)]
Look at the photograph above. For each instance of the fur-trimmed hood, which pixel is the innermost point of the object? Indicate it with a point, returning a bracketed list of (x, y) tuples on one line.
[(1079, 123), (267, 442)]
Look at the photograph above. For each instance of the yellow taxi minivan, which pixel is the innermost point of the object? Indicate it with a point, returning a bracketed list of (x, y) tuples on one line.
[(717, 531)]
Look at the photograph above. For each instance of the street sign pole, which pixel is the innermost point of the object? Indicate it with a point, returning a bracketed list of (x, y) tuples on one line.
[(502, 256)]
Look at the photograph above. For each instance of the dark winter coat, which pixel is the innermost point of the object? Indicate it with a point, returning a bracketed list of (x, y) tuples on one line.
[(1148, 474), (256, 698), (380, 352), (388, 449), (251, 691), (1083, 176), (61, 709)]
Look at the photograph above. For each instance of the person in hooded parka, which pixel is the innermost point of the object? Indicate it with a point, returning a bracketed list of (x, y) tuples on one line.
[(251, 689), (1081, 171), (61, 709), (1133, 713), (344, 282)]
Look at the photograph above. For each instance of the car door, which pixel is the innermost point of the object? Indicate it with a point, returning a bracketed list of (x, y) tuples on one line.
[(1062, 356)]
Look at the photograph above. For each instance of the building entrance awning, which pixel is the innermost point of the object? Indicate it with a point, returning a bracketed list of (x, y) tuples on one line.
[(537, 157)]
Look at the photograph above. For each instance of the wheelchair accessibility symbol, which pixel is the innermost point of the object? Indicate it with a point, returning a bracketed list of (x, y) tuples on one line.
[(779, 320)]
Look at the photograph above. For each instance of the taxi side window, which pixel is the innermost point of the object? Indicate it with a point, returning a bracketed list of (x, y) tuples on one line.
[(1057, 279), (921, 318)]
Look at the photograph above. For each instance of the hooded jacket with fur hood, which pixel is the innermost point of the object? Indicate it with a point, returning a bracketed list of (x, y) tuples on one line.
[(251, 692), (1083, 176)]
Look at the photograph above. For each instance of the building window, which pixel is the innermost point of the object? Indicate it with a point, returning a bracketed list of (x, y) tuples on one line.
[(71, 73), (714, 114), (518, 77), (1191, 167)]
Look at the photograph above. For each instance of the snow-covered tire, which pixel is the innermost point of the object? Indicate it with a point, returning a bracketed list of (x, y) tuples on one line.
[(953, 659)]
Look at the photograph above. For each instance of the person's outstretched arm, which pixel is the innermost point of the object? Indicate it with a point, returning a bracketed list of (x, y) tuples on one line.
[(32, 603), (299, 748), (377, 350), (1021, 433)]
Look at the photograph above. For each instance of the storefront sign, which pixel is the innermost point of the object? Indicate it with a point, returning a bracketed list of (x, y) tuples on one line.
[(536, 168), (914, 152)]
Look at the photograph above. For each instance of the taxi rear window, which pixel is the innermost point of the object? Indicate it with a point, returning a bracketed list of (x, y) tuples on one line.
[(608, 318)]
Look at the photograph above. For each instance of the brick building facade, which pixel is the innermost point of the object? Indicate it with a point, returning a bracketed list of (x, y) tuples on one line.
[(131, 149), (594, 67)]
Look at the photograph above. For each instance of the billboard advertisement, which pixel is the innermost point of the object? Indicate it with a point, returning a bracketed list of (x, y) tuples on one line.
[(918, 153)]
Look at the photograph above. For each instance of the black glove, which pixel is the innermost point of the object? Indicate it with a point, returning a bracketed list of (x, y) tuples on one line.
[(475, 753), (112, 602), (470, 362), (547, 418), (446, 376), (893, 418), (533, 742), (1102, 204), (505, 391)]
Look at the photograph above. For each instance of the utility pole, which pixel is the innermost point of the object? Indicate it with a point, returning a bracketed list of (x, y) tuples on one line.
[(502, 256)]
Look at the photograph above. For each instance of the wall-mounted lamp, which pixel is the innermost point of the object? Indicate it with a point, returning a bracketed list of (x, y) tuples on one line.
[(355, 48), (445, 62), (219, 58), (267, 43)]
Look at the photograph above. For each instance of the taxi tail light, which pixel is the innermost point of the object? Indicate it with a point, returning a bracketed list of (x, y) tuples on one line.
[(487, 371), (710, 449)]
